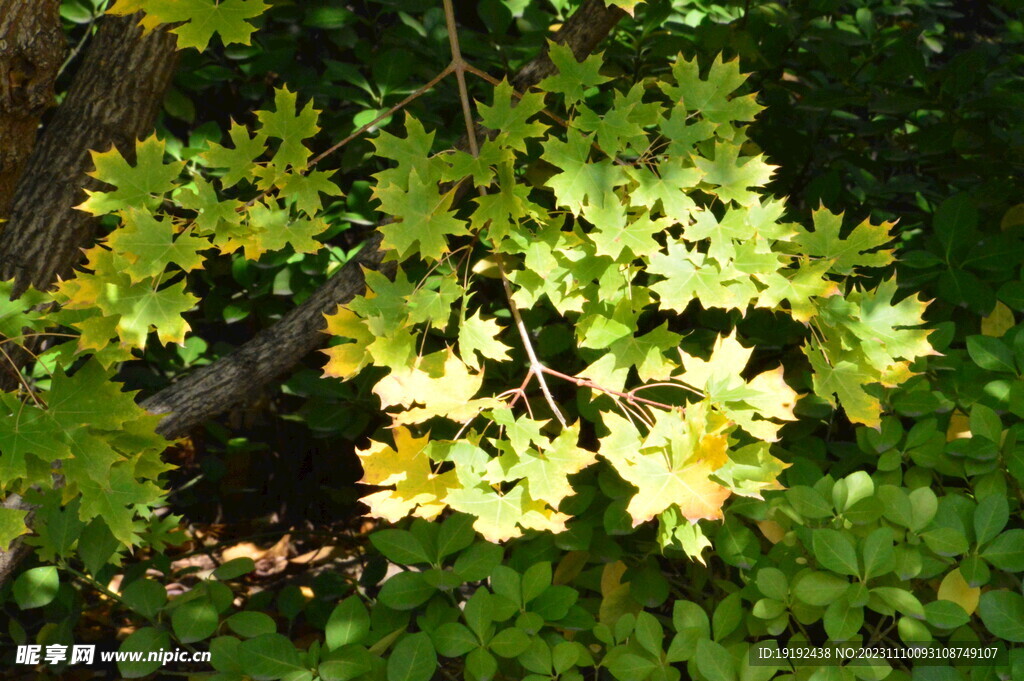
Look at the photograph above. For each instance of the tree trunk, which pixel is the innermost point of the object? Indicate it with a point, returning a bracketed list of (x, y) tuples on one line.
[(113, 100), (32, 48)]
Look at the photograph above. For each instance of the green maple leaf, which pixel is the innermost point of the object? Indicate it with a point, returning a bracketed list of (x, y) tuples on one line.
[(149, 245), (646, 352), (574, 77), (460, 164), (722, 235), (56, 528), (291, 129), (837, 373), (477, 334), (386, 305), (18, 314), (91, 458), (547, 470), (432, 302), (688, 275), (140, 306), (276, 228), (580, 183), (683, 132), (614, 233), (512, 120), (424, 218), (882, 332), (851, 252), (222, 219), (501, 211), (143, 184), (12, 526), (113, 501), (622, 126), (666, 184), (27, 430), (754, 256), (203, 18), (734, 176), (710, 97), (411, 153), (521, 432), (305, 190), (799, 287), (239, 160), (90, 398)]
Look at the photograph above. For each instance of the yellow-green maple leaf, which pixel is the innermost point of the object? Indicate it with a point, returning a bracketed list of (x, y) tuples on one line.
[(406, 466), (138, 186)]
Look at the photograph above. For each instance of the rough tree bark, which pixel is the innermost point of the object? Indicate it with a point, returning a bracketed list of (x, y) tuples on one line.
[(214, 389), (113, 99), (32, 47)]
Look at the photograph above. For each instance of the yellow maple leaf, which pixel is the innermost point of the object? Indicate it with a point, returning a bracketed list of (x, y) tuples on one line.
[(441, 383), (417, 488), (346, 360)]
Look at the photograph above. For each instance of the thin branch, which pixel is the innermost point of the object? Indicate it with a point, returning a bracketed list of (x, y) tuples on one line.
[(459, 65), (628, 396), (536, 367)]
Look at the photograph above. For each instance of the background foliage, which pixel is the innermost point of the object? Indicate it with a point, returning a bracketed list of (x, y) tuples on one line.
[(900, 110)]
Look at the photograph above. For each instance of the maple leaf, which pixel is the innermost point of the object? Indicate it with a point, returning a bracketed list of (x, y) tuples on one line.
[(143, 184), (424, 217), (290, 128), (734, 176), (433, 301), (684, 133), (574, 77), (113, 500), (885, 329), (477, 334), (348, 359), (440, 382), (690, 274), (90, 398), (407, 467), (837, 373), (615, 234), (580, 183), (27, 430), (240, 160), (628, 6), (666, 184), (274, 228), (646, 352), (202, 18), (140, 306), (305, 190), (622, 126), (459, 164), (149, 245), (513, 119), (802, 285), (18, 314), (546, 469), (12, 526), (222, 219), (750, 404), (851, 252), (412, 153), (666, 473), (501, 211), (710, 96)]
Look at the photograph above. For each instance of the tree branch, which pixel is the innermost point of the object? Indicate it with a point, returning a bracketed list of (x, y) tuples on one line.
[(113, 100)]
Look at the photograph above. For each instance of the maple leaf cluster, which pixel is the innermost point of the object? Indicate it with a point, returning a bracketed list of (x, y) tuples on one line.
[(634, 214)]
